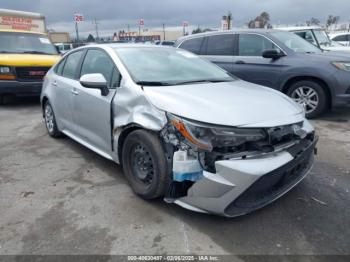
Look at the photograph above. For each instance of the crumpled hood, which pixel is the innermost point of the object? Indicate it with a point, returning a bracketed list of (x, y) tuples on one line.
[(236, 103)]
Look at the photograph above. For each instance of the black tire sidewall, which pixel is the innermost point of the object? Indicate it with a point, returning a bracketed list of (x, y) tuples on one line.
[(322, 105), (161, 176)]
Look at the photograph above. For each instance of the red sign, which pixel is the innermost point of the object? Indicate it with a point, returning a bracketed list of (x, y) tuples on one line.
[(78, 18), (20, 23), (184, 23), (141, 22)]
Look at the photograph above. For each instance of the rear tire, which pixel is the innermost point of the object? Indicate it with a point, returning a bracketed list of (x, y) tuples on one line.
[(50, 121), (311, 95), (145, 165)]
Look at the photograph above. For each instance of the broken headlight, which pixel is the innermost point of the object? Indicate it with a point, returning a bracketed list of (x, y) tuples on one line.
[(208, 136)]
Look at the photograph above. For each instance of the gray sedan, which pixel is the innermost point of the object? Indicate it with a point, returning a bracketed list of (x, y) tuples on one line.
[(281, 60), (182, 128)]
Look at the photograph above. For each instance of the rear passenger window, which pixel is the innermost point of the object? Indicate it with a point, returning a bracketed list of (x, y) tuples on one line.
[(221, 45), (254, 45), (193, 45), (97, 61), (71, 65)]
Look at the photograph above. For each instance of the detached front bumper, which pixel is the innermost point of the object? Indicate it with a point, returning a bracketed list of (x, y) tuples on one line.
[(20, 88), (241, 186)]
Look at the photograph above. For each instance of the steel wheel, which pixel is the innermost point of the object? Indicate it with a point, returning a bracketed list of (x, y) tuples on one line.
[(145, 164), (307, 97), (49, 118), (142, 164)]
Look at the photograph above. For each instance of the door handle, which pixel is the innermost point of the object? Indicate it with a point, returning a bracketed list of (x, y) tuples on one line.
[(74, 92), (239, 62)]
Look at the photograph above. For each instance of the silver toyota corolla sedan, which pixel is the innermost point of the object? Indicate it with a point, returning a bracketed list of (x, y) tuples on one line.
[(182, 128)]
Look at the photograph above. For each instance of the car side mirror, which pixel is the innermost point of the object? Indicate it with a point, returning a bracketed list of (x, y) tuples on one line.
[(273, 54), (95, 81)]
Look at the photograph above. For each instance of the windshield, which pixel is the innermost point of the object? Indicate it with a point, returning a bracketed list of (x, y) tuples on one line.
[(296, 43), (25, 43), (169, 66)]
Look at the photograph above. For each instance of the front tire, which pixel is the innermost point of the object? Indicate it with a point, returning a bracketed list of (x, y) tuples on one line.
[(145, 165), (50, 121), (311, 95)]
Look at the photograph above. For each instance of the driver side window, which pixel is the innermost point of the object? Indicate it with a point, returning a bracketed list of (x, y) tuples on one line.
[(254, 45), (98, 61)]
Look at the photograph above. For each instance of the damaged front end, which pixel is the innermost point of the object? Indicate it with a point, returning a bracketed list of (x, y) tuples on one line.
[(233, 171)]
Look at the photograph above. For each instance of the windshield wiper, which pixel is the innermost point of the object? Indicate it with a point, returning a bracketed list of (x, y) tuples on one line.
[(153, 83), (36, 52), (204, 81)]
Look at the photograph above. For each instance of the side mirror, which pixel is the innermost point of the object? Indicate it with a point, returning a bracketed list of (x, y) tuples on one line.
[(273, 54), (95, 81)]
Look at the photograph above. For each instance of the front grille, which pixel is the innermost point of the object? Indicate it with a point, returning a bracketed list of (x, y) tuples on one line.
[(274, 184), (31, 73)]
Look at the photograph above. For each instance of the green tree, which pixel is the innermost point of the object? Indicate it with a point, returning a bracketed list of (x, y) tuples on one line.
[(90, 38), (313, 21), (331, 20), (261, 21)]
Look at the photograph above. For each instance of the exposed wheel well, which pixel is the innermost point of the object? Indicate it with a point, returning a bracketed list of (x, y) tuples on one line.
[(126, 131), (321, 82)]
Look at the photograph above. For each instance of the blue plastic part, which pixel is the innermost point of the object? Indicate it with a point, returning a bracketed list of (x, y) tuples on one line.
[(180, 177)]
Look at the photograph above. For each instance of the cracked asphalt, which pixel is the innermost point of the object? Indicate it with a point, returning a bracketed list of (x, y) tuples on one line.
[(57, 197)]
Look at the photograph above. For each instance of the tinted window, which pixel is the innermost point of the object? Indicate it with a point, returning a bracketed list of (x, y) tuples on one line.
[(72, 62), (342, 38), (220, 44), (98, 61), (193, 45), (254, 45), (59, 67)]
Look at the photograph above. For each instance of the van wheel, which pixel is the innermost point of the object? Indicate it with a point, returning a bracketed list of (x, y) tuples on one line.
[(50, 121), (145, 165), (310, 95)]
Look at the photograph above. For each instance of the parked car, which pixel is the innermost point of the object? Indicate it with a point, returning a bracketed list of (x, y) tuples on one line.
[(181, 127), (280, 60), (64, 47), (341, 38), (167, 43), (318, 37)]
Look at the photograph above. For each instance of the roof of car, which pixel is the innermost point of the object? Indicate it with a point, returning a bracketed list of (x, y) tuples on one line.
[(261, 31), (299, 28), (123, 45), (334, 34)]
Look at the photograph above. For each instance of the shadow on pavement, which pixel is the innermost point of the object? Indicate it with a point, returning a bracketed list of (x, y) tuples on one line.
[(11, 101)]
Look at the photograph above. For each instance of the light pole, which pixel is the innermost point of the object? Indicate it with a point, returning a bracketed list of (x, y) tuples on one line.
[(96, 29)]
